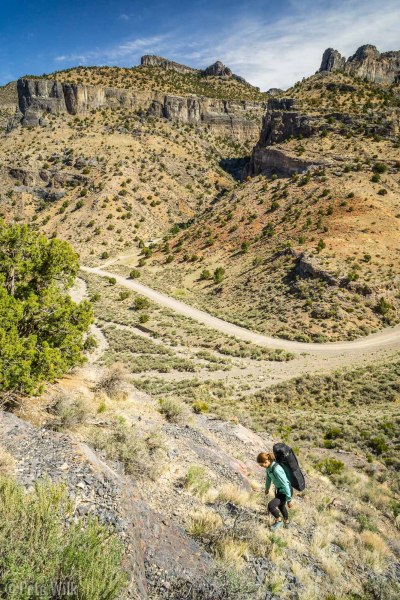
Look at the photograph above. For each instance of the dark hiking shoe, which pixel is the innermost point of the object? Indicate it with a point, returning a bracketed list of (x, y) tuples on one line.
[(286, 524), (276, 525)]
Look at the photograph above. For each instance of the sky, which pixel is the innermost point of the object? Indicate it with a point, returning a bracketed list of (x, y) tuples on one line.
[(272, 43)]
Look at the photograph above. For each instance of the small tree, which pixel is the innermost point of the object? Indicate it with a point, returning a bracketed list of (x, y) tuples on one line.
[(383, 306), (42, 330), (219, 274)]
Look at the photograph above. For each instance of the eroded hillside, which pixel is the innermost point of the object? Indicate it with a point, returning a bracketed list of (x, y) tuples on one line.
[(308, 243)]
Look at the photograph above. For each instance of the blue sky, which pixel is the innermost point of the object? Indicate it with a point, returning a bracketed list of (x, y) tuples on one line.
[(272, 43)]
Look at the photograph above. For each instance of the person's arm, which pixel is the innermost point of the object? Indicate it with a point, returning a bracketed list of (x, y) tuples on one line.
[(267, 482), (284, 482)]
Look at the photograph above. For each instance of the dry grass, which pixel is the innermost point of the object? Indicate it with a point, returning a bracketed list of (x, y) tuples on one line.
[(114, 381), (7, 462), (204, 523), (231, 551), (68, 410)]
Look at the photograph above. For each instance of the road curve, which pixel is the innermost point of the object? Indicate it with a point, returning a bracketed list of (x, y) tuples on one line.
[(389, 337)]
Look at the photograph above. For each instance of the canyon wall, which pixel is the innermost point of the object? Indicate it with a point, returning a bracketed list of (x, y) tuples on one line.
[(236, 118)]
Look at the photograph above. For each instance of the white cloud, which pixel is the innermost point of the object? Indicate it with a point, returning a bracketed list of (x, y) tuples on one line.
[(267, 52), (279, 54), (124, 51)]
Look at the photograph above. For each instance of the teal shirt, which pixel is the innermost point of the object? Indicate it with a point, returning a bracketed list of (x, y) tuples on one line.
[(277, 476)]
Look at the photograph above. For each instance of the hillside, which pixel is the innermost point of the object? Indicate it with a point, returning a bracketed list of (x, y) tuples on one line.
[(131, 471), (308, 242)]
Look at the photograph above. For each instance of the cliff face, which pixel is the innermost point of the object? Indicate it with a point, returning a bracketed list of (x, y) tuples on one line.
[(239, 119), (367, 63), (282, 120)]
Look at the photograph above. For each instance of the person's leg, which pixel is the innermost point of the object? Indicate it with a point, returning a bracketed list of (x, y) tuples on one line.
[(273, 508), (282, 506)]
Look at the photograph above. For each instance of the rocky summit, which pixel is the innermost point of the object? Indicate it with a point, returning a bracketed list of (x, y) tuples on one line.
[(367, 63)]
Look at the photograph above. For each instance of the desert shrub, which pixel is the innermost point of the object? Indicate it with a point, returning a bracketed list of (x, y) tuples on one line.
[(379, 168), (124, 294), (68, 411), (139, 455), (7, 462), (383, 306), (205, 274), (200, 407), (197, 480), (114, 380), (104, 255), (134, 274), (141, 303), (330, 466), (219, 274), (378, 444), (204, 523), (333, 433), (43, 548), (42, 331), (172, 409)]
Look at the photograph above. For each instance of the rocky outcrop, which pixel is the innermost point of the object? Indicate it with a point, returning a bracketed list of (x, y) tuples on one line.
[(332, 60), (37, 97), (367, 63), (271, 161), (152, 60), (217, 69), (283, 120)]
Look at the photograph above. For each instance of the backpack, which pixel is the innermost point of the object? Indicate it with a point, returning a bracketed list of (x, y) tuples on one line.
[(288, 461)]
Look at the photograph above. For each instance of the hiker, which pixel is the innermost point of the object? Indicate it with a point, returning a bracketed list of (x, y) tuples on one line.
[(283, 489)]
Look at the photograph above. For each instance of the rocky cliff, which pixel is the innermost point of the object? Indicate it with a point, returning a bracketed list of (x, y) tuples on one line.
[(38, 97), (367, 63), (283, 120)]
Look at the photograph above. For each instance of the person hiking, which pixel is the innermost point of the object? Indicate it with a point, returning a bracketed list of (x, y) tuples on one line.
[(283, 490)]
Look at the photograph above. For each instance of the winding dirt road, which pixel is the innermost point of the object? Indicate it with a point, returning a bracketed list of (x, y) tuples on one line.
[(387, 339)]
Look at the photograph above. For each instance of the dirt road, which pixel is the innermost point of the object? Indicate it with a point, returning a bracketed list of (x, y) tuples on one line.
[(387, 339)]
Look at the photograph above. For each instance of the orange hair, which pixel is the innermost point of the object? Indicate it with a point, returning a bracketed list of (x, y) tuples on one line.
[(263, 457)]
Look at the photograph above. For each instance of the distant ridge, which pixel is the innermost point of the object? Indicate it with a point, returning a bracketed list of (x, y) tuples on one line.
[(217, 69)]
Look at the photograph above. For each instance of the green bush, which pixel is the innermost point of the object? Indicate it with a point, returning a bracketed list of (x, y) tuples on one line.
[(383, 306), (124, 294), (200, 407), (42, 548), (219, 274), (141, 303), (379, 168), (42, 330), (378, 444), (330, 466), (134, 274), (205, 274)]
